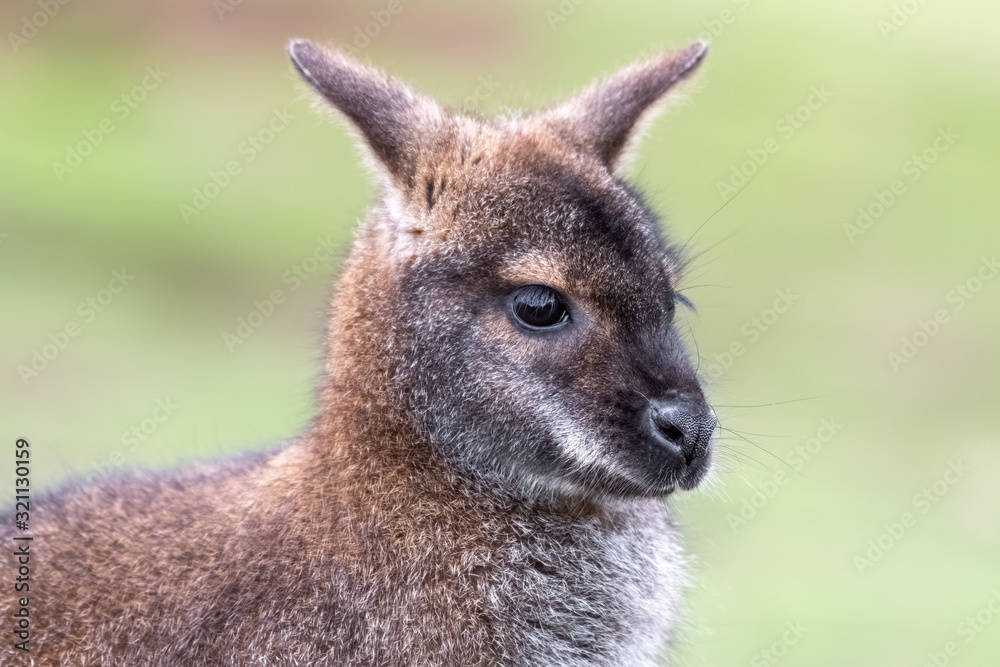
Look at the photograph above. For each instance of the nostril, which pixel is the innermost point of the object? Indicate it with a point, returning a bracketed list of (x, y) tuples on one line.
[(670, 432)]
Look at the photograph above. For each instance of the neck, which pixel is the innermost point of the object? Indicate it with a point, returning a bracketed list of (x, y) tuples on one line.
[(362, 436)]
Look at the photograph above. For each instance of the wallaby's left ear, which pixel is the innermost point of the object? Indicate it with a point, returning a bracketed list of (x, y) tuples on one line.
[(608, 115)]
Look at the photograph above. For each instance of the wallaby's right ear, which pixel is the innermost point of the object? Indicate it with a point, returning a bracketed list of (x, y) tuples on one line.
[(390, 117)]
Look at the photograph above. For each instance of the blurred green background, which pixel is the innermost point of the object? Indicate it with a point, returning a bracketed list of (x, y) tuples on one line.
[(856, 496)]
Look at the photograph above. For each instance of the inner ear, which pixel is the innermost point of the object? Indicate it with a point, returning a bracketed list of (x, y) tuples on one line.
[(605, 118)]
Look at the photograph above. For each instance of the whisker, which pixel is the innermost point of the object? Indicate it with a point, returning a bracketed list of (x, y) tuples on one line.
[(761, 435), (690, 287), (769, 453), (768, 405), (689, 261), (716, 212)]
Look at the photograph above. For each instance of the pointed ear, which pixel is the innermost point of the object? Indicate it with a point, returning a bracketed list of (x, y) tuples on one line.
[(390, 117), (609, 115)]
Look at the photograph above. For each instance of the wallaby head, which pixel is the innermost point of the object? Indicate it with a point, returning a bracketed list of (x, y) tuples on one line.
[(522, 293)]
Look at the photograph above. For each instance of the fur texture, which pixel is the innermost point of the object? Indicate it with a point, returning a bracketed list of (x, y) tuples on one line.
[(472, 491)]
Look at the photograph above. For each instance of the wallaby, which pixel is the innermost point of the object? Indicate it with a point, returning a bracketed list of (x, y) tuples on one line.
[(505, 405)]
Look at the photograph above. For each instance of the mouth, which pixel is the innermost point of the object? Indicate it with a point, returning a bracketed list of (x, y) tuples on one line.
[(695, 471), (660, 471), (683, 477)]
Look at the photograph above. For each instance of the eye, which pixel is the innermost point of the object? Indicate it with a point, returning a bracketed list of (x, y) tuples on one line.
[(539, 307)]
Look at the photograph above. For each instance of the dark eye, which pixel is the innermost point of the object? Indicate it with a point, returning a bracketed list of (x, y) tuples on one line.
[(539, 307)]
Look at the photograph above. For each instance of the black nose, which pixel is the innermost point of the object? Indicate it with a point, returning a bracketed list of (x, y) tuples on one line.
[(683, 425)]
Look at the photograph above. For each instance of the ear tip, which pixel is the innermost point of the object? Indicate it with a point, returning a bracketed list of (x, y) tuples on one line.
[(296, 45), (697, 51), (311, 60), (301, 50), (685, 61)]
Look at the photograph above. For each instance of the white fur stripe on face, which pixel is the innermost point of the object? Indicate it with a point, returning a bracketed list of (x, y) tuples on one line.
[(572, 437)]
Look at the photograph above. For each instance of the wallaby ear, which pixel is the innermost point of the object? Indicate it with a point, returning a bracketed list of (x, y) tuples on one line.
[(390, 117), (609, 114)]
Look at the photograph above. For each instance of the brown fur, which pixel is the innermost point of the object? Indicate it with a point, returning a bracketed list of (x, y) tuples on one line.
[(468, 494)]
